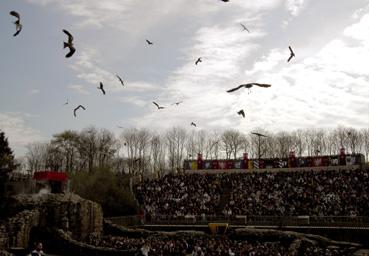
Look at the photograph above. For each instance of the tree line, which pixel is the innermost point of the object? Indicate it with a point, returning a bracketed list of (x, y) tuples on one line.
[(142, 151)]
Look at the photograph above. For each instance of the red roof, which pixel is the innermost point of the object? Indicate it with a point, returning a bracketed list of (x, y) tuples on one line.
[(49, 175)]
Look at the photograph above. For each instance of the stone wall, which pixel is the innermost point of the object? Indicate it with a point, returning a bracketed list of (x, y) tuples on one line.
[(69, 212)]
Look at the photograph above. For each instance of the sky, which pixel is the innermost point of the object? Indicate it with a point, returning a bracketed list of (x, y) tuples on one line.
[(324, 86)]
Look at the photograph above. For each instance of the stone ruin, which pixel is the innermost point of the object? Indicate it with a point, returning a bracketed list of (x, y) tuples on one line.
[(22, 215)]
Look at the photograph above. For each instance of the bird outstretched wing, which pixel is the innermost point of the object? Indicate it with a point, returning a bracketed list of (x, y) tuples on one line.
[(236, 88), (120, 79)]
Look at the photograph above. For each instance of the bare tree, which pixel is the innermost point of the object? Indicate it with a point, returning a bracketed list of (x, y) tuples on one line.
[(365, 136), (354, 140), (36, 156), (232, 141), (176, 138), (66, 142)]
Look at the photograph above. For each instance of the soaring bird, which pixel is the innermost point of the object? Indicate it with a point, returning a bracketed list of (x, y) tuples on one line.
[(198, 60), (149, 42), (245, 28), (75, 110), (248, 86), (292, 54), (177, 103), (69, 44), (120, 79), (242, 113), (157, 105), (18, 25), (101, 87), (193, 124)]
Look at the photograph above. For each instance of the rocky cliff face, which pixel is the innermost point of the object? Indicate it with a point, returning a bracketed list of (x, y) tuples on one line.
[(69, 212)]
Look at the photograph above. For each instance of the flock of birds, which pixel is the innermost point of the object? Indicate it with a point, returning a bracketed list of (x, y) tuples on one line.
[(70, 45)]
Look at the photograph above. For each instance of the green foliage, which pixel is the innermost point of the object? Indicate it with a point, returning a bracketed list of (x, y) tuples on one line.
[(107, 188), (7, 162)]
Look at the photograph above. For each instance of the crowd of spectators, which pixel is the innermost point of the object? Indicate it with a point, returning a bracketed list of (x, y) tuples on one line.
[(196, 246), (313, 193), (208, 245), (180, 195)]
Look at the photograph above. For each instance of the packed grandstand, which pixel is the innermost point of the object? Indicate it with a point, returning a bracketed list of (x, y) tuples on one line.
[(202, 195)]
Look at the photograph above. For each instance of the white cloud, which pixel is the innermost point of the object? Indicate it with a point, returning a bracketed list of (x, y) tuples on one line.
[(295, 6), (133, 100), (79, 89), (34, 91), (17, 130)]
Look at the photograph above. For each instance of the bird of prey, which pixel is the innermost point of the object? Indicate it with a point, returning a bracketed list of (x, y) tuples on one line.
[(75, 110), (69, 44), (177, 103), (120, 79), (242, 113), (292, 54), (149, 42), (245, 28), (101, 87), (248, 86), (259, 134), (193, 124), (18, 25), (157, 105), (198, 60)]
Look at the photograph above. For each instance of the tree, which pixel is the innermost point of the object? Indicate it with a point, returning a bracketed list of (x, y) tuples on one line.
[(7, 162)]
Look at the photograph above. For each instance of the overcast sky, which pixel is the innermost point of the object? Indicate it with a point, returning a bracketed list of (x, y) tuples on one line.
[(325, 85)]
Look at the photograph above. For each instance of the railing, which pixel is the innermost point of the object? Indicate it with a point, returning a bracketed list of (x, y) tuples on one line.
[(242, 220)]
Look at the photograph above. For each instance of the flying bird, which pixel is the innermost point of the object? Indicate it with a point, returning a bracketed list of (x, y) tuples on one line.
[(225, 0), (75, 110), (292, 54), (259, 134), (198, 60), (101, 87), (120, 79), (149, 42), (242, 113), (245, 28), (193, 124), (18, 25), (177, 103), (248, 86), (69, 44), (157, 105)]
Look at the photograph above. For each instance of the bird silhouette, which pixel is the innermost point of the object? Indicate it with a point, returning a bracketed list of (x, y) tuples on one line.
[(193, 124), (149, 42), (198, 60), (177, 103), (75, 110), (245, 28), (157, 105), (18, 25), (101, 87), (242, 113), (225, 0), (69, 44), (248, 86), (292, 54), (120, 79)]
